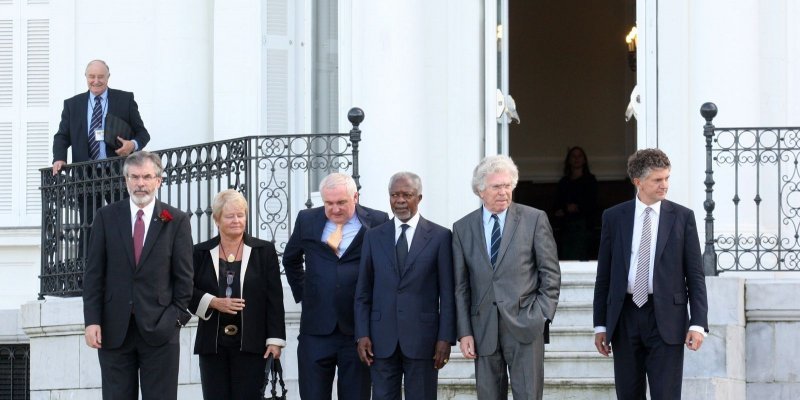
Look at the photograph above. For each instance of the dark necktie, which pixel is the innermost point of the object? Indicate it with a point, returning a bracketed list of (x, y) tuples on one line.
[(643, 263), (401, 249), (97, 123), (138, 236), (495, 248)]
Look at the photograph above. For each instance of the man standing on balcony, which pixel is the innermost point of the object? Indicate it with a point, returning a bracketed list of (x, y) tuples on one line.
[(83, 121), (327, 241), (137, 286), (648, 269), (507, 281), (405, 311)]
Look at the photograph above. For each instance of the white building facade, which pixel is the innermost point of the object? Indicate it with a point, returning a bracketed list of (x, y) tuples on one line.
[(427, 74)]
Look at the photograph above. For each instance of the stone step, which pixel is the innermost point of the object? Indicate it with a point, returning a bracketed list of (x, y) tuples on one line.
[(577, 290), (577, 364), (571, 338), (554, 389), (573, 313)]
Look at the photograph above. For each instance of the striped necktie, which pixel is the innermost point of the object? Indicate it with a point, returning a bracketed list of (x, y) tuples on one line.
[(97, 123), (643, 263), (495, 248)]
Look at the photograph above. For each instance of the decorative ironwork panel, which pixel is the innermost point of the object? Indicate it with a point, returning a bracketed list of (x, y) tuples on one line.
[(276, 174), (15, 372), (758, 198)]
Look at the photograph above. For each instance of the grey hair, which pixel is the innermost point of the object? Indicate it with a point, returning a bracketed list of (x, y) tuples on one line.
[(225, 197), (339, 179), (108, 70), (415, 180), (138, 158), (644, 161), (491, 165)]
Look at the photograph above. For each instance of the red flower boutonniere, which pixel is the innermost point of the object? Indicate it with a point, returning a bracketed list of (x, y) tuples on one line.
[(165, 216)]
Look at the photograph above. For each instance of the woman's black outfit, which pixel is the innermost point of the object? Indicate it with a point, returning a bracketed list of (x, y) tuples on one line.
[(231, 347)]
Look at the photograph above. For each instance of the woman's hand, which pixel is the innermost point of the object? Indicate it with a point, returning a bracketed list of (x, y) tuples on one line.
[(274, 350), (227, 305)]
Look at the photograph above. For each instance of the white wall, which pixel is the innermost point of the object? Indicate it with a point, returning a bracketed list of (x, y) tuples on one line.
[(416, 72)]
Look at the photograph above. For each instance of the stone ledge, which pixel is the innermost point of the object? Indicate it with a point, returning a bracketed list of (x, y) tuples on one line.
[(773, 315)]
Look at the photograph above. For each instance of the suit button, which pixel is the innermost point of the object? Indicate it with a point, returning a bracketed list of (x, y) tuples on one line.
[(496, 279), (130, 303), (494, 303)]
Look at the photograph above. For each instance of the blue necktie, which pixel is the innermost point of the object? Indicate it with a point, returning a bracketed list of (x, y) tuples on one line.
[(495, 248), (97, 123)]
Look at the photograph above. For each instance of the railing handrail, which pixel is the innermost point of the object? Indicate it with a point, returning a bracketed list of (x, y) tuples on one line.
[(271, 171)]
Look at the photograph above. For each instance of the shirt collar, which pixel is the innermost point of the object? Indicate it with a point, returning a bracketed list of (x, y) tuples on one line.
[(103, 96), (412, 223), (656, 207), (148, 209), (487, 215)]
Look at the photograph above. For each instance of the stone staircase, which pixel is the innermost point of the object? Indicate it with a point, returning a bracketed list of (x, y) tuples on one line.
[(573, 368)]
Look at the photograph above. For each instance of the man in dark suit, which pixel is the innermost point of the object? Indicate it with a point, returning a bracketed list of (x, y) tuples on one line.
[(79, 121), (327, 240), (405, 312), (648, 269), (507, 281), (137, 286)]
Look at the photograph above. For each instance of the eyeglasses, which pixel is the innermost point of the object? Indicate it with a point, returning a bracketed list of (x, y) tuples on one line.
[(146, 178), (229, 279), (406, 196), (499, 187)]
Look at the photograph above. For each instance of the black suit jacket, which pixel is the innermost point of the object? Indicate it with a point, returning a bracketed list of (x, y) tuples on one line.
[(73, 130), (327, 285), (678, 277), (158, 289), (263, 316), (414, 309)]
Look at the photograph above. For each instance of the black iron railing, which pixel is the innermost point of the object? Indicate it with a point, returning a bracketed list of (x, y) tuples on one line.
[(759, 184), (277, 175)]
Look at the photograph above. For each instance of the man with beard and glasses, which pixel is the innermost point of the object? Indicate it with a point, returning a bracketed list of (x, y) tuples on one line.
[(137, 286)]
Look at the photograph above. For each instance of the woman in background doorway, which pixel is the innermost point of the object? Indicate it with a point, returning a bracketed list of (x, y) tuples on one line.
[(575, 208)]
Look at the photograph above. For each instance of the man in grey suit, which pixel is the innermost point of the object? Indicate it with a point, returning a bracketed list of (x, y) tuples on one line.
[(507, 284)]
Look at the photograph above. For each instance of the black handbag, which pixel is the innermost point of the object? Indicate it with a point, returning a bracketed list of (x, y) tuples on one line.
[(273, 374)]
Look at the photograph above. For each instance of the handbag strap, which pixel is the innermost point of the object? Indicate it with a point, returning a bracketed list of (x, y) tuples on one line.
[(273, 374)]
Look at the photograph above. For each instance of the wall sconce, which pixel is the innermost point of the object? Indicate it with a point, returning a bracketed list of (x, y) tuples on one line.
[(632, 40)]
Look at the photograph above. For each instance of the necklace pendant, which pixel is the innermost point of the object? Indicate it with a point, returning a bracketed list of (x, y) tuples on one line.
[(231, 258)]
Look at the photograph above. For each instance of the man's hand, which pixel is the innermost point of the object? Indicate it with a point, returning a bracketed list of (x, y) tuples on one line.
[(600, 343), (467, 344), (94, 338), (227, 305), (365, 350), (694, 340), (126, 147), (442, 354), (57, 165), (274, 350)]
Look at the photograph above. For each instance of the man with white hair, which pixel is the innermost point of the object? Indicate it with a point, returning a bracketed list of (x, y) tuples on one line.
[(507, 281)]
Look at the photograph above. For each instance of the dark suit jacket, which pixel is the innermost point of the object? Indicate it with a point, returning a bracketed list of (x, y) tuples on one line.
[(73, 130), (263, 315), (414, 309), (158, 288), (677, 271), (525, 283), (328, 283)]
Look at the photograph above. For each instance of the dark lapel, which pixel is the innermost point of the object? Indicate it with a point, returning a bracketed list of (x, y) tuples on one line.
[(422, 236), (152, 231), (83, 109), (123, 222), (665, 222), (512, 222), (384, 235), (627, 216)]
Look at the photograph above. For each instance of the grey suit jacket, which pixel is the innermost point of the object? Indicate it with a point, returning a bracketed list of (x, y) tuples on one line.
[(524, 286)]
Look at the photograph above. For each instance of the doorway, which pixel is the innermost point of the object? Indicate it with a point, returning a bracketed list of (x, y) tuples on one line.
[(571, 79)]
